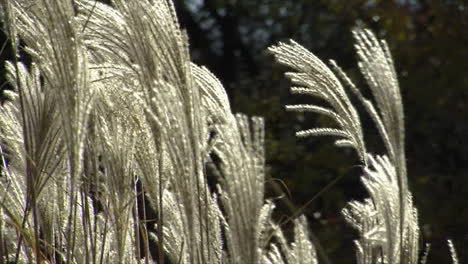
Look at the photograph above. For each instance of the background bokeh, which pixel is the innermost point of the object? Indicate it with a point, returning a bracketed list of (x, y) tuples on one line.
[(429, 42)]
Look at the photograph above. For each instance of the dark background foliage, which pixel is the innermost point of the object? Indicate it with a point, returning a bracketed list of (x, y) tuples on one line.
[(428, 39)]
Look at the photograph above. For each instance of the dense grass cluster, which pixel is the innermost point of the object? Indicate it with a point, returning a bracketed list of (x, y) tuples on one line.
[(117, 149)]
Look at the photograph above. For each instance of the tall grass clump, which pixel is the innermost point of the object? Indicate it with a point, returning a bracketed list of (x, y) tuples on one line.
[(117, 149)]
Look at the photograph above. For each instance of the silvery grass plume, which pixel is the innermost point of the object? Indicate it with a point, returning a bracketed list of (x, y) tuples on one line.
[(387, 221), (108, 139)]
